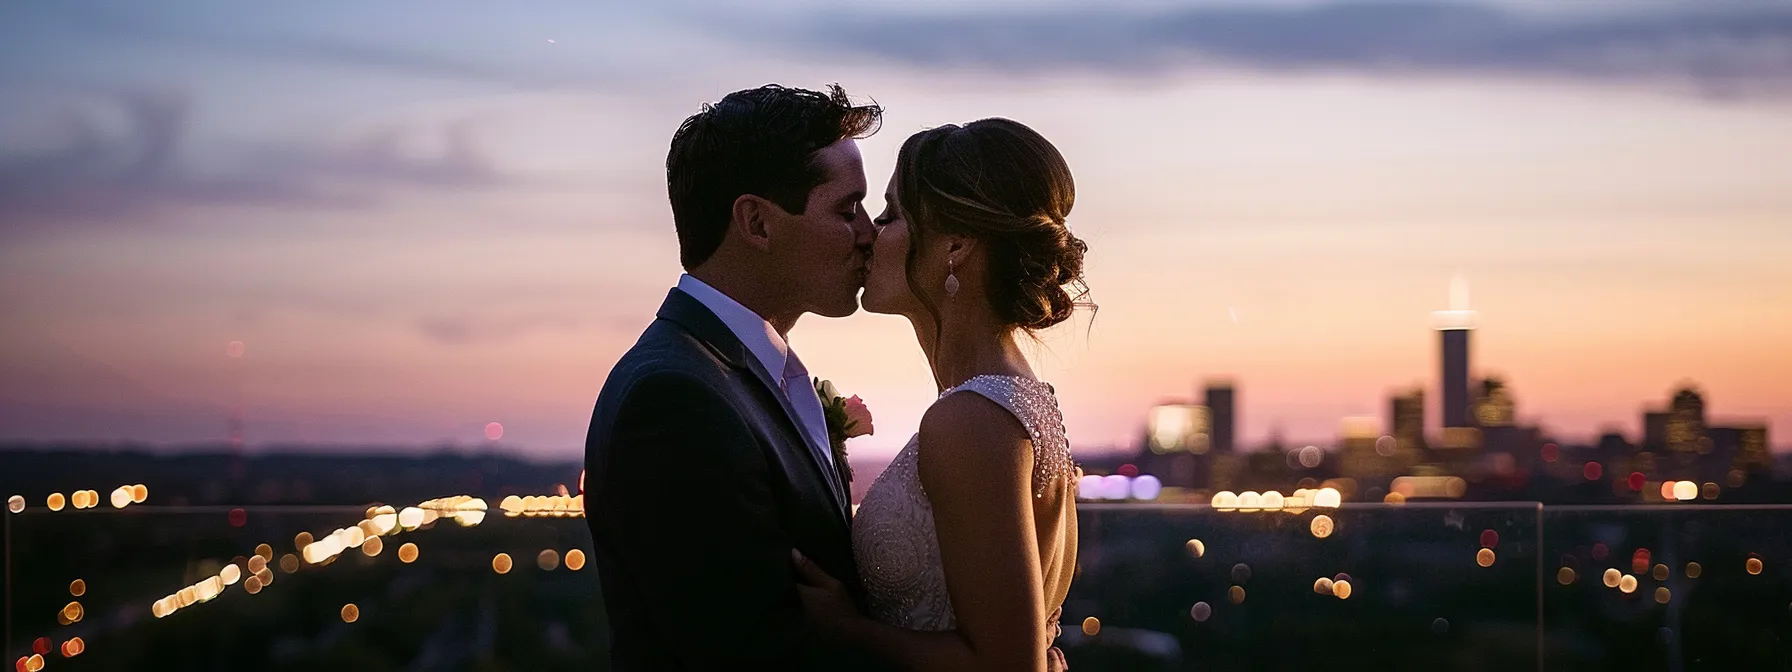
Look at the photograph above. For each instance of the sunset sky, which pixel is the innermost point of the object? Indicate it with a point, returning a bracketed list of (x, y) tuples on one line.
[(422, 217)]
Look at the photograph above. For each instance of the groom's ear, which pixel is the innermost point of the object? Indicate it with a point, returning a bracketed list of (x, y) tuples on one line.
[(748, 221)]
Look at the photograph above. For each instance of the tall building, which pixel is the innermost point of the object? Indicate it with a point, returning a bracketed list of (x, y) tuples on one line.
[(1220, 399), (1406, 420), (1453, 328), (1686, 423), (1655, 431)]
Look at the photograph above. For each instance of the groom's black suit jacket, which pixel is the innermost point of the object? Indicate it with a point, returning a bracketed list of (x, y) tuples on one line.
[(698, 484)]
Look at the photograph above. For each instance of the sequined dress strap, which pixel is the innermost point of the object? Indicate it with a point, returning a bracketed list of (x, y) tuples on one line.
[(1035, 404)]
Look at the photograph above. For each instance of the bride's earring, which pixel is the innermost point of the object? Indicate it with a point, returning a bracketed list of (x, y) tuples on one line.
[(951, 280)]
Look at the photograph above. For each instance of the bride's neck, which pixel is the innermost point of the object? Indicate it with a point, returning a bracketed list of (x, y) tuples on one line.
[(959, 352)]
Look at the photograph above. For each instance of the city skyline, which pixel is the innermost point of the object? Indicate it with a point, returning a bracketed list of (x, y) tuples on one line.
[(420, 222)]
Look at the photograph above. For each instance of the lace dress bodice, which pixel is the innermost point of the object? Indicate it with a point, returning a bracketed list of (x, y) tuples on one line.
[(893, 534)]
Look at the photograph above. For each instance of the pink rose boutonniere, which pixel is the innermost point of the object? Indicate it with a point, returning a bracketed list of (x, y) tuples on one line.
[(847, 417)]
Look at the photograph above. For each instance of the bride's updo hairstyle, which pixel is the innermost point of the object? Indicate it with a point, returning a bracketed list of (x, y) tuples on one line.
[(1001, 183)]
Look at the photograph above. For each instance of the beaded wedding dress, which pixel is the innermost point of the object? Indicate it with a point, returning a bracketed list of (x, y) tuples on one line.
[(893, 533)]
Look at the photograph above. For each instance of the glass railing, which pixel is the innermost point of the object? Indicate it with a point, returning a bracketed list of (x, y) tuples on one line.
[(1470, 586)]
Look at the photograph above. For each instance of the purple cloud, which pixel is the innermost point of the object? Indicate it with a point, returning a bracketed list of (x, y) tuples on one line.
[(1717, 48), (96, 177)]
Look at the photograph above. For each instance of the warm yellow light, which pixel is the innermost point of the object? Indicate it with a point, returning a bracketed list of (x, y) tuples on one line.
[(231, 574), (372, 546), (1627, 584), (77, 588), (73, 612), (1341, 589), (121, 498), (301, 540), (1612, 578), (289, 563), (410, 518), (501, 563), (350, 613), (316, 552), (1322, 526), (1753, 566), (1250, 500), (1565, 576), (1660, 573), (1662, 595), (547, 560), (257, 563), (1686, 491), (513, 506), (407, 553), (1195, 548), (575, 559), (1237, 594), (1224, 500), (1272, 501), (15, 504), (252, 585), (1091, 626), (1322, 586), (139, 493), (55, 501), (1328, 498), (210, 588), (34, 664), (1693, 570), (1484, 557), (1394, 498)]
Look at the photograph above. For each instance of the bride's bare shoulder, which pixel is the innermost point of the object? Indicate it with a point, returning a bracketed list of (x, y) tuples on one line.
[(970, 439)]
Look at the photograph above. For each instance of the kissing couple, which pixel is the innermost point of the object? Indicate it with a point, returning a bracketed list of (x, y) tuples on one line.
[(717, 489)]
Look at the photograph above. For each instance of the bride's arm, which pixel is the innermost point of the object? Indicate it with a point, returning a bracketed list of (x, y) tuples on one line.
[(976, 464)]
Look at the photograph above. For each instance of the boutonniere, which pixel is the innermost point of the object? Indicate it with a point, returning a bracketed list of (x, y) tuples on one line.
[(847, 417)]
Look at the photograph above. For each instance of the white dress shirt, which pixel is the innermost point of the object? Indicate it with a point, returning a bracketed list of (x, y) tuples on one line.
[(772, 351)]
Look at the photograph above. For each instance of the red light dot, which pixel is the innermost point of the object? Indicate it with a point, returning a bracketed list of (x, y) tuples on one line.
[(1551, 452), (581, 481), (1129, 470), (41, 646), (1592, 471), (1639, 563), (494, 431), (1600, 551), (238, 517), (19, 666), (1637, 479), (1489, 538)]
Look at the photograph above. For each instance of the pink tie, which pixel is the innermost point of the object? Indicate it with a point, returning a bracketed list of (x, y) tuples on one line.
[(801, 394)]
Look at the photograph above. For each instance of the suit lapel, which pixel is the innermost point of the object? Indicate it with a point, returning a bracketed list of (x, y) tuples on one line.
[(697, 319)]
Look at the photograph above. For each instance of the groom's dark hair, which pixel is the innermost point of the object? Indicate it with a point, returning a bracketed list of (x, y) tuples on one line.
[(756, 141)]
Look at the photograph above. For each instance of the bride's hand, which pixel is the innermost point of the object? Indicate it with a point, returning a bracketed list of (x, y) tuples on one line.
[(825, 599)]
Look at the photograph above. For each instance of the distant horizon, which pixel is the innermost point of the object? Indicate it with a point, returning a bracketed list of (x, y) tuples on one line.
[(417, 221)]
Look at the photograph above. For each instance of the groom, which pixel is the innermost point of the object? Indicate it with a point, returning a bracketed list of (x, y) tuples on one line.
[(708, 456)]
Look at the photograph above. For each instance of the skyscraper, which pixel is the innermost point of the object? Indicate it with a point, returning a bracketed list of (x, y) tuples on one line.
[(1453, 326), (1220, 399), (1407, 420)]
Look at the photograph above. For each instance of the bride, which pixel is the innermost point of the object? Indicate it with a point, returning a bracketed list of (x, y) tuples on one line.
[(967, 542)]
